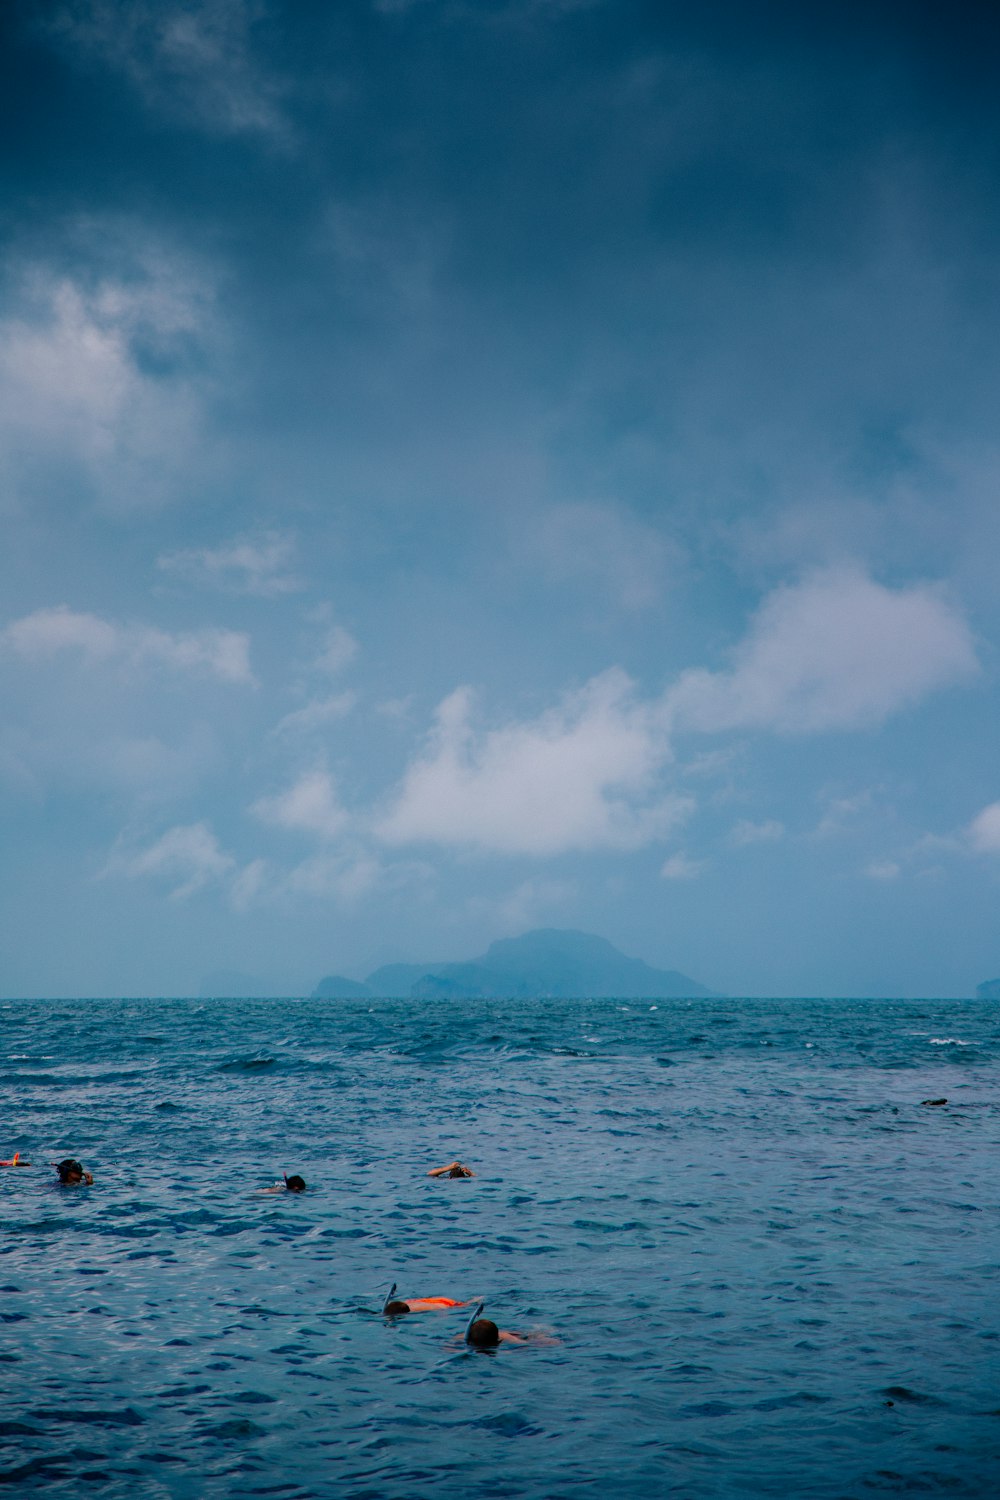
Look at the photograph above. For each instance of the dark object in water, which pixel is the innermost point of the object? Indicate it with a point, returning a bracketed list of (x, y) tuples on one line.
[(483, 1333), (71, 1173), (934, 1101)]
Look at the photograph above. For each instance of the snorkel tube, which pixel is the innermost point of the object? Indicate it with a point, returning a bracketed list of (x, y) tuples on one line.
[(391, 1295), (477, 1314)]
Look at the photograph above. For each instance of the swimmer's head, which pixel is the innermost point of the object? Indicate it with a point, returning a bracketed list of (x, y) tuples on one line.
[(70, 1170), (396, 1309), (483, 1333), (295, 1183), (459, 1171)]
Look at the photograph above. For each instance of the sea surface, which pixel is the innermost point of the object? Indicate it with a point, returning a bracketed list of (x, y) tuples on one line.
[(772, 1270)]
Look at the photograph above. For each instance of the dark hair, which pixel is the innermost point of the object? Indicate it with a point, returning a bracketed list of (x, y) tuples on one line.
[(394, 1309), (69, 1167), (484, 1333), (295, 1183)]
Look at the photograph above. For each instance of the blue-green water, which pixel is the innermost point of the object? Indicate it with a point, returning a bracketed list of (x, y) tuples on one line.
[(772, 1269)]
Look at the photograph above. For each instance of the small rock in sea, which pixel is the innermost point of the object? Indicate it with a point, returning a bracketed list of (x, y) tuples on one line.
[(934, 1101)]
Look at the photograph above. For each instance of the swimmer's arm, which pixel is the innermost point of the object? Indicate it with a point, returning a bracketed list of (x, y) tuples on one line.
[(508, 1336), (279, 1187), (88, 1178), (443, 1171)]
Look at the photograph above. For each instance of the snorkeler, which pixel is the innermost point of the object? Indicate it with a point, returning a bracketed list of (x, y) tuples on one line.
[(72, 1174), (15, 1161), (453, 1169), (395, 1307), (483, 1333), (293, 1184)]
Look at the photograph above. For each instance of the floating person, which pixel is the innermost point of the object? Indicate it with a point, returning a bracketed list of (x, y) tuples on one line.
[(15, 1161), (293, 1184), (934, 1102), (395, 1307), (453, 1169), (483, 1333), (72, 1174)]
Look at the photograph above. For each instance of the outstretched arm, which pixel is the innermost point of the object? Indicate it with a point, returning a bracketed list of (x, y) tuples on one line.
[(508, 1336)]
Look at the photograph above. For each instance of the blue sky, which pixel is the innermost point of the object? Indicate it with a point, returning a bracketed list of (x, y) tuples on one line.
[(467, 467)]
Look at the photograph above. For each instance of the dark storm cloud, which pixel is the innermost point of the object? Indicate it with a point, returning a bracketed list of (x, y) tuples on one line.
[(550, 132), (545, 146), (628, 236), (709, 258)]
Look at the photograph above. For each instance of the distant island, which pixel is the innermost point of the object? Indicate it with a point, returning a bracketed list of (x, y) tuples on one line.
[(988, 990), (549, 963)]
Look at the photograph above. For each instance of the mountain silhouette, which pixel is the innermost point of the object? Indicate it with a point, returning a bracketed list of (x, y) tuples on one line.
[(549, 963)]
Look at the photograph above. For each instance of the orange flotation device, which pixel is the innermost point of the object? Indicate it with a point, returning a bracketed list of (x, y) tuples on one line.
[(15, 1161)]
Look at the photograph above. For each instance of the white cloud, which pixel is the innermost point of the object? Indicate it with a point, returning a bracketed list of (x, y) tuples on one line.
[(47, 632), (149, 767), (310, 805), (315, 715), (194, 60), (582, 776), (527, 905), (341, 877), (187, 853), (399, 710), (338, 649), (601, 545), (714, 762), (98, 376), (835, 651), (882, 869), (841, 810), (680, 867), (344, 876), (983, 832), (249, 884), (247, 565), (746, 832)]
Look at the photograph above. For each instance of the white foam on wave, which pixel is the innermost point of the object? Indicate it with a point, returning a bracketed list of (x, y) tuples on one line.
[(948, 1041)]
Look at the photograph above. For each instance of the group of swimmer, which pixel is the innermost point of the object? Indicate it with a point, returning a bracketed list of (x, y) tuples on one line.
[(480, 1332)]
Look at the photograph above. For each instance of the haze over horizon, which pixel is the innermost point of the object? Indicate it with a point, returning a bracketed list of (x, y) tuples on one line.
[(469, 468)]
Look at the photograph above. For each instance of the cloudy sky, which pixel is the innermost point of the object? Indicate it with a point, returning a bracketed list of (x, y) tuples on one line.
[(468, 465)]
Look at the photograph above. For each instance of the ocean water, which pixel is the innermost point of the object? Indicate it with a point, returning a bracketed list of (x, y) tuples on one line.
[(771, 1269)]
